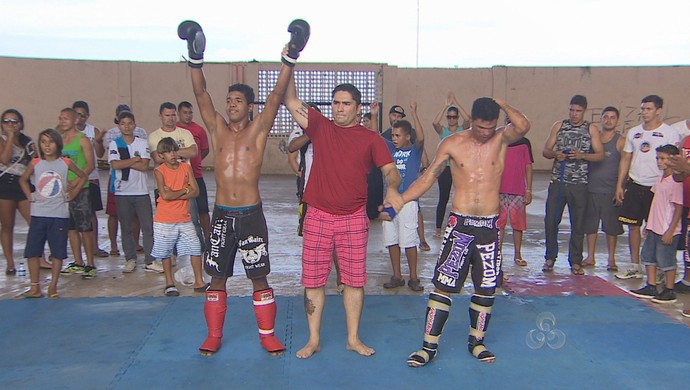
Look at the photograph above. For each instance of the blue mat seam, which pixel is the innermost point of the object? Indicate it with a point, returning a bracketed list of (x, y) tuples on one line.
[(135, 352), (289, 313)]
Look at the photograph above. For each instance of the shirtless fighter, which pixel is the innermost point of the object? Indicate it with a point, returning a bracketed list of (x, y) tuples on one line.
[(238, 219), (476, 160)]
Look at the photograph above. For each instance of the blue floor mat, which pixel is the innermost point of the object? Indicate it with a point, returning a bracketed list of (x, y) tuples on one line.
[(138, 343)]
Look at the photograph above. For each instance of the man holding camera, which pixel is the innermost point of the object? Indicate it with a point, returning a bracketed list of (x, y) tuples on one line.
[(572, 144)]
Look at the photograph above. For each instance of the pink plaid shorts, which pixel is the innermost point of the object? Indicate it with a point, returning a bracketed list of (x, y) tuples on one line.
[(348, 234)]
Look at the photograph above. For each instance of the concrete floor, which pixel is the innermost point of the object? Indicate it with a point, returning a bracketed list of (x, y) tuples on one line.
[(285, 249)]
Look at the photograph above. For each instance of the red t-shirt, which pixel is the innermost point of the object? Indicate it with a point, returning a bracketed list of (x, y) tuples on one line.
[(201, 140), (343, 157), (518, 157)]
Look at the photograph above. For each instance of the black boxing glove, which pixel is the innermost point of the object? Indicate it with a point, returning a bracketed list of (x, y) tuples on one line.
[(191, 32), (299, 30)]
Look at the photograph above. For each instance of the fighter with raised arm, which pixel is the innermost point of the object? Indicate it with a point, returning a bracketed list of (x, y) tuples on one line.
[(476, 158), (238, 220), (336, 218)]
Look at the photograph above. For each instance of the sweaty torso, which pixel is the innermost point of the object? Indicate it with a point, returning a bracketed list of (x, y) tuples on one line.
[(238, 156), (476, 169)]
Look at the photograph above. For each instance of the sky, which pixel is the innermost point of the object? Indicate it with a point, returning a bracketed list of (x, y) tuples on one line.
[(403, 33)]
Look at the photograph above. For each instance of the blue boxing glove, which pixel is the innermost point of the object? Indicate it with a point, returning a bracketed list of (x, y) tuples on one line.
[(299, 30), (191, 32)]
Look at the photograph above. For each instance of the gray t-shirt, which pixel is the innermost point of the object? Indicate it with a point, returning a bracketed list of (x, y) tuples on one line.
[(50, 197), (603, 175)]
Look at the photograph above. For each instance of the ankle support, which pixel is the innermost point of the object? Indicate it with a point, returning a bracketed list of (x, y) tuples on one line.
[(421, 357), (215, 307), (480, 352), (437, 311), (480, 314), (265, 310)]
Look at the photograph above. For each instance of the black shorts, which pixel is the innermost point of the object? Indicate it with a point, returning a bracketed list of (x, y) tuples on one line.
[(202, 198), (469, 241), (636, 203), (95, 196), (301, 213), (600, 208), (374, 192), (10, 189), (240, 230), (80, 213)]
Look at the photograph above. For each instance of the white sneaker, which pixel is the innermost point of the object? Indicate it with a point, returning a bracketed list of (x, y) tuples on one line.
[(130, 266), (631, 273), (156, 266)]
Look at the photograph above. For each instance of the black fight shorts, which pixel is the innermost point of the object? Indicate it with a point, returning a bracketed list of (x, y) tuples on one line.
[(240, 230), (469, 241)]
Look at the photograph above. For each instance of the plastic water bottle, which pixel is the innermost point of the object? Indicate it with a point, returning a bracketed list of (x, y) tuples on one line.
[(21, 271)]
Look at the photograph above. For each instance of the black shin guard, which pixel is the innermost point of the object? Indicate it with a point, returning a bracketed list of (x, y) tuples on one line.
[(480, 314), (437, 311)]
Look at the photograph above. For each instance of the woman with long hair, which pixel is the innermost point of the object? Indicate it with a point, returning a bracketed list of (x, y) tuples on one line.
[(16, 150)]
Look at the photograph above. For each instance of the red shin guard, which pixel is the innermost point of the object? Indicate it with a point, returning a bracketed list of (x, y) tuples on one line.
[(214, 310), (265, 310)]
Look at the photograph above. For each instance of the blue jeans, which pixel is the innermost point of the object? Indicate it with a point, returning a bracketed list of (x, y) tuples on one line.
[(656, 253), (575, 196)]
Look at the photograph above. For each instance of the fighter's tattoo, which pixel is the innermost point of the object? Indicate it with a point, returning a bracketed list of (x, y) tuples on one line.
[(304, 110), (439, 169), (309, 307)]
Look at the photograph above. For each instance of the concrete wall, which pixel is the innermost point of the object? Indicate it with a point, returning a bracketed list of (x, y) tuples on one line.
[(40, 88)]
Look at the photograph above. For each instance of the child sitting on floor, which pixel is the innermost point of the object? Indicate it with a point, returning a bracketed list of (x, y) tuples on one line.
[(172, 223)]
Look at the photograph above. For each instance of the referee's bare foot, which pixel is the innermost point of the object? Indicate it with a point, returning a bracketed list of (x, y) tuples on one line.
[(360, 348), (308, 350)]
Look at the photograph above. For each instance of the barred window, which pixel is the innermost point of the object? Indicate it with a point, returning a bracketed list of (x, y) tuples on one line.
[(314, 86)]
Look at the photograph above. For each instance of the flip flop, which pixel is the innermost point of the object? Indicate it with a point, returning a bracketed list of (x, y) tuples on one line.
[(612, 268), (114, 253), (11, 271), (520, 262), (576, 269), (27, 296), (53, 296), (202, 288), (101, 253), (171, 291), (424, 246), (548, 265)]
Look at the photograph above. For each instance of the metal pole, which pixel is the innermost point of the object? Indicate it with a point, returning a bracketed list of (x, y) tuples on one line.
[(417, 57)]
